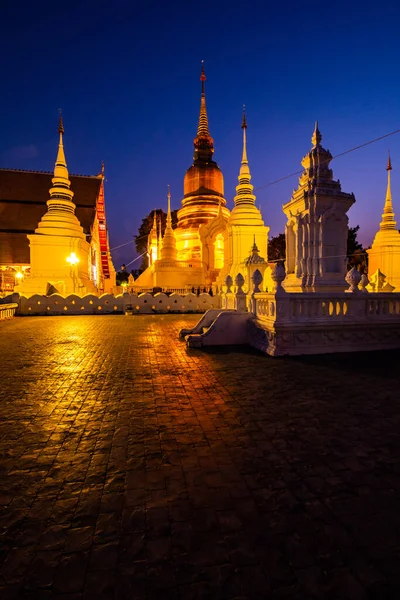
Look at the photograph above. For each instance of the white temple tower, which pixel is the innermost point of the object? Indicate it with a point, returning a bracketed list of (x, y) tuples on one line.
[(246, 227), (317, 226)]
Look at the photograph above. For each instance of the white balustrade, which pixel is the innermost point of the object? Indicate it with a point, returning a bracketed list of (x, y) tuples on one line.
[(109, 304), (7, 311), (312, 307)]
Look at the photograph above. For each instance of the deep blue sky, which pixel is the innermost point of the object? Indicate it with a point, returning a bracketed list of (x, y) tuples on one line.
[(126, 75)]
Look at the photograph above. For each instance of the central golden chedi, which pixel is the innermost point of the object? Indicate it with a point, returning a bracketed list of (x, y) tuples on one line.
[(203, 190)]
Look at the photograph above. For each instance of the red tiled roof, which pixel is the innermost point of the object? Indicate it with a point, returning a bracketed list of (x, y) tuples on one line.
[(23, 197)]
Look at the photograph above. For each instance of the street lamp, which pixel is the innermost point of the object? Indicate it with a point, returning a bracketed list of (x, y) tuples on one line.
[(73, 260)]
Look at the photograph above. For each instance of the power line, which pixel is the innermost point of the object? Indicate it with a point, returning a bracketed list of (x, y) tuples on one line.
[(135, 259), (382, 137), (121, 245), (130, 242)]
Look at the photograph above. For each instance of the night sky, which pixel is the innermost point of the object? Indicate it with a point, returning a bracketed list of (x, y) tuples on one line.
[(126, 75)]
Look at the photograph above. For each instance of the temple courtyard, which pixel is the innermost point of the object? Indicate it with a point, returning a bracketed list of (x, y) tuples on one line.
[(132, 467)]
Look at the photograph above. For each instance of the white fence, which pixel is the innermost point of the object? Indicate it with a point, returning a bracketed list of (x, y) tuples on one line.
[(7, 311), (109, 304)]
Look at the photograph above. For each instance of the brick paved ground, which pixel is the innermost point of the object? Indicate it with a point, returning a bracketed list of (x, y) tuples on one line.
[(134, 468)]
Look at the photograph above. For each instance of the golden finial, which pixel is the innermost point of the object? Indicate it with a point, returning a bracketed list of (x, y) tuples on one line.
[(202, 77), (316, 136), (60, 122), (169, 219), (244, 121), (203, 142), (389, 165), (102, 167)]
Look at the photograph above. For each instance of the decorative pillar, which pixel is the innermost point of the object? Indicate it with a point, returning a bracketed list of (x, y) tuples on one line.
[(240, 299)]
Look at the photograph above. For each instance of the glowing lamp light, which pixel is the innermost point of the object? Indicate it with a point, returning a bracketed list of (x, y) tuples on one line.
[(72, 259), (19, 275)]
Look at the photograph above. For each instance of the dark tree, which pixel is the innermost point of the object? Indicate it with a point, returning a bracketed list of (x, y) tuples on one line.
[(122, 275), (356, 254), (146, 227), (277, 248)]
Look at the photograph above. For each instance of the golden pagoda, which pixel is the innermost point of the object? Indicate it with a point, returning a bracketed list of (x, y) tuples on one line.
[(58, 249), (384, 254), (203, 195)]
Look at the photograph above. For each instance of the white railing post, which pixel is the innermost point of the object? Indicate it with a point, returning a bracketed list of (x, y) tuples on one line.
[(229, 297), (256, 278), (240, 296), (353, 278)]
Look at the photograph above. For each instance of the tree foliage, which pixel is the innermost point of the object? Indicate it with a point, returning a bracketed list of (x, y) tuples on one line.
[(145, 228), (122, 275), (277, 248), (356, 254)]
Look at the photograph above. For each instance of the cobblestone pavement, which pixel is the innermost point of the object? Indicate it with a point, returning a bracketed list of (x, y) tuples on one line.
[(134, 468)]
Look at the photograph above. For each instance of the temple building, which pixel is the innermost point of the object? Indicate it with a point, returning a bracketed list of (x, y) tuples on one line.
[(317, 226), (384, 255), (64, 248), (209, 242)]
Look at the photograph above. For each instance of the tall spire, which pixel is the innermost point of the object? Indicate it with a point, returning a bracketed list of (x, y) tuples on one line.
[(61, 184), (203, 142), (244, 190), (159, 236), (316, 136), (60, 218), (168, 250), (169, 218), (388, 221), (244, 169), (202, 128), (244, 127)]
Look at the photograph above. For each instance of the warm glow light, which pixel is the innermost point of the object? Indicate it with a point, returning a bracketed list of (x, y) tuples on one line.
[(219, 251), (73, 259), (19, 275)]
